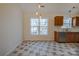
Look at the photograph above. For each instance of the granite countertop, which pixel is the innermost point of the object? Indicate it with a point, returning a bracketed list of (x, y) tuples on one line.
[(67, 30)]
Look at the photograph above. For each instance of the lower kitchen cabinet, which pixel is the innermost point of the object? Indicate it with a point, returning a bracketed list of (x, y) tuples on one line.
[(60, 36), (76, 37), (70, 37), (56, 36)]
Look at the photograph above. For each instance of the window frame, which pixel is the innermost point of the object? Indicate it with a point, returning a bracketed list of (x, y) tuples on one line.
[(67, 24), (39, 30)]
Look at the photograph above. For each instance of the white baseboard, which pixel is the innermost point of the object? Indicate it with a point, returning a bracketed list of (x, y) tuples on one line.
[(38, 40)]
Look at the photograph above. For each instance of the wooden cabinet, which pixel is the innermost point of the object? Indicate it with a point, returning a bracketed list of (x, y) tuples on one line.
[(59, 37), (58, 21), (76, 37), (56, 36), (75, 21), (69, 37)]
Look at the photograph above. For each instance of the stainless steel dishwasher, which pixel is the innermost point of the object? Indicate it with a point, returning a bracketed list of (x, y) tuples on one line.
[(62, 37)]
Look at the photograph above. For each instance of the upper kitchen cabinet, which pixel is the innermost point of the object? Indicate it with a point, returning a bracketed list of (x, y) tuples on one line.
[(76, 21), (58, 20)]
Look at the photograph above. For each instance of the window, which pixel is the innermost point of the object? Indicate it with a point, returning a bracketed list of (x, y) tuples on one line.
[(39, 26), (67, 23)]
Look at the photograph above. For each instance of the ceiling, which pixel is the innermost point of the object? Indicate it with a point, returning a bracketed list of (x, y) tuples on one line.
[(49, 9)]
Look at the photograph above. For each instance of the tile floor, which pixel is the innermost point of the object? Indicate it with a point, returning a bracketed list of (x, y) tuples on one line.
[(40, 48)]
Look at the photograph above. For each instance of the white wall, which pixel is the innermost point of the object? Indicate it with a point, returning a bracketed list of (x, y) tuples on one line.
[(11, 28)]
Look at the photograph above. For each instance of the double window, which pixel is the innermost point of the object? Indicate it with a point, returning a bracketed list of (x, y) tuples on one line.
[(39, 26)]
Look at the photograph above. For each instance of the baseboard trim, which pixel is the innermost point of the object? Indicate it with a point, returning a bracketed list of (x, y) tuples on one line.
[(37, 40)]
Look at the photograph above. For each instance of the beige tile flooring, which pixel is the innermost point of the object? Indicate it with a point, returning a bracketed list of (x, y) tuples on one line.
[(43, 48)]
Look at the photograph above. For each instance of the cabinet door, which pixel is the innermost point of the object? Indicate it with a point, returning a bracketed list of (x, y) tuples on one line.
[(58, 21), (73, 21), (76, 37), (77, 21), (69, 37), (56, 36)]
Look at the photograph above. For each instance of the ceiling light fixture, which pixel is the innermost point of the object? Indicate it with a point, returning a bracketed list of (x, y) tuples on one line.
[(40, 16), (37, 13), (39, 6)]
